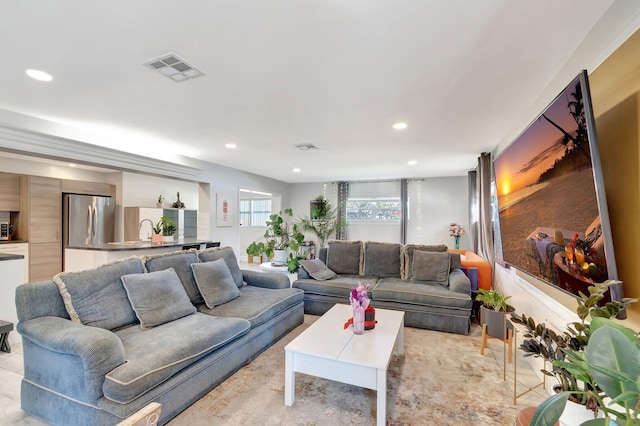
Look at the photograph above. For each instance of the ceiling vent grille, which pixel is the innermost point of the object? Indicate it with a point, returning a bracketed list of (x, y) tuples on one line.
[(174, 67), (306, 146)]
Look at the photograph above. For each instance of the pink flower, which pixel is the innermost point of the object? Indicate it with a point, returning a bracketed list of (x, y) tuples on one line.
[(455, 230), (359, 297)]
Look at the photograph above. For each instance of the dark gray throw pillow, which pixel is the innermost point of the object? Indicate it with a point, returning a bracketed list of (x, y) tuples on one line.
[(215, 282), (157, 297), (317, 269), (345, 257), (431, 266)]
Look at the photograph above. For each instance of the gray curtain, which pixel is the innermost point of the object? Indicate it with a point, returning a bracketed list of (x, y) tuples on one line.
[(343, 195), (473, 210), (404, 198), (485, 223)]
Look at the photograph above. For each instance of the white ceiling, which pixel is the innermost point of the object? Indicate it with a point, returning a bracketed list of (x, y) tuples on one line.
[(334, 73)]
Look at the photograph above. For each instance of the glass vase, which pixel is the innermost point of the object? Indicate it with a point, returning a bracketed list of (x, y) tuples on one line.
[(457, 241), (358, 320)]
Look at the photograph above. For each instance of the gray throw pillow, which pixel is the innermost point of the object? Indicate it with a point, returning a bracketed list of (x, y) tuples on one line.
[(345, 257), (215, 282), (408, 255), (96, 296), (383, 260), (431, 266), (229, 256), (157, 297), (317, 269), (180, 261)]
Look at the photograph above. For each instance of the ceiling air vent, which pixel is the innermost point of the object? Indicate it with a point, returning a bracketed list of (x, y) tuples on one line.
[(172, 66), (306, 146)]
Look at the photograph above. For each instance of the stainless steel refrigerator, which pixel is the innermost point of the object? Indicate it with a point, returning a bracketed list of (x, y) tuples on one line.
[(87, 220)]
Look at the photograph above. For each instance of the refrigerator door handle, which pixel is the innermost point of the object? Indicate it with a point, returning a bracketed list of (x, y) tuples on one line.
[(95, 225), (87, 240)]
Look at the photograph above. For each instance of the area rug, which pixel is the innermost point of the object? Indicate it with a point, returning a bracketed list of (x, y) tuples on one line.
[(440, 380)]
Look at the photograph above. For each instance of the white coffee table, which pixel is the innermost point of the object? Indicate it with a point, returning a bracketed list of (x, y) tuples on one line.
[(329, 351)]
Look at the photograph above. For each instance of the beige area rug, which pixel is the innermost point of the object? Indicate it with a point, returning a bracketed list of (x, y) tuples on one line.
[(440, 380)]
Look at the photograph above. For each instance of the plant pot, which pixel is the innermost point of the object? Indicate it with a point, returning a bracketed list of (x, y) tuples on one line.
[(156, 239), (167, 238), (576, 414), (279, 257), (496, 321)]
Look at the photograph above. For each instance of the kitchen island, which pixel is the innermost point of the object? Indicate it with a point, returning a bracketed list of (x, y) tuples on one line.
[(77, 258), (11, 270)]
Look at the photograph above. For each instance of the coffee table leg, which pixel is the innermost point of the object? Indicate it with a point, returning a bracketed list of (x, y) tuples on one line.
[(401, 339), (382, 397), (289, 379)]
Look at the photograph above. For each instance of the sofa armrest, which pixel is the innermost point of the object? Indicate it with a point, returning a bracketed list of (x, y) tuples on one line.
[(266, 279), (459, 282), (82, 356)]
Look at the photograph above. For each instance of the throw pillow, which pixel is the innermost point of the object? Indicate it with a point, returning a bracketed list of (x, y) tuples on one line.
[(96, 297), (317, 269), (345, 257), (408, 255), (431, 266), (180, 261), (383, 260), (229, 256), (215, 282), (157, 297)]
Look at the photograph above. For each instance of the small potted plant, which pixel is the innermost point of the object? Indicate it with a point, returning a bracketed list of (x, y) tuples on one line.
[(156, 238), (160, 201), (168, 228), (280, 237), (492, 312)]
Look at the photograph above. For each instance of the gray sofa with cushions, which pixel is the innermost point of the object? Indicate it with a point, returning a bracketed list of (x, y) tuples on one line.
[(101, 344), (426, 282)]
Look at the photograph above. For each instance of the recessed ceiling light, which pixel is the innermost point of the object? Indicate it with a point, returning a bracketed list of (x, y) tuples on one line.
[(230, 146), (39, 75), (412, 162), (296, 170), (400, 126), (72, 164)]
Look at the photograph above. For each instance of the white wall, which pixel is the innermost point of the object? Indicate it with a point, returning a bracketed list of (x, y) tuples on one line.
[(435, 203)]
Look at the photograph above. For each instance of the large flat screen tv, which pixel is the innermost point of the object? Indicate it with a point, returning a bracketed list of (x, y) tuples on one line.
[(553, 218)]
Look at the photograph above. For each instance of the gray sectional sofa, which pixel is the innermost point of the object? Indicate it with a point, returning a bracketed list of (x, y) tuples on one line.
[(424, 281), (101, 344)]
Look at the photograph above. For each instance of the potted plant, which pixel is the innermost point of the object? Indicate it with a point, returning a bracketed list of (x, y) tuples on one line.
[(160, 201), (492, 312), (609, 367), (168, 228), (281, 237), (156, 238), (564, 351), (323, 220)]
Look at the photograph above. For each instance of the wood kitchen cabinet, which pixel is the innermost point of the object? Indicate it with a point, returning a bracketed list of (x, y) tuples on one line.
[(9, 192), (42, 199)]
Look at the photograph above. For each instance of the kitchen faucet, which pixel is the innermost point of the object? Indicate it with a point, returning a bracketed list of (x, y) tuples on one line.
[(140, 226)]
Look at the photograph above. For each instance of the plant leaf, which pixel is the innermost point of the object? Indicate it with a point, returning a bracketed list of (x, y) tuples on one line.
[(550, 410)]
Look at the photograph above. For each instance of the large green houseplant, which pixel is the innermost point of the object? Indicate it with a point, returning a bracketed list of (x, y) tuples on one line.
[(609, 365), (564, 350), (282, 234), (323, 221)]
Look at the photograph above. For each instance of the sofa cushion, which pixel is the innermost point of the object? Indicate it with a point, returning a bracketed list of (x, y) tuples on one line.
[(345, 257), (415, 294), (431, 266), (383, 259), (408, 255), (155, 355), (338, 287), (157, 297), (215, 282), (228, 255), (97, 297), (317, 269), (256, 304), (180, 261)]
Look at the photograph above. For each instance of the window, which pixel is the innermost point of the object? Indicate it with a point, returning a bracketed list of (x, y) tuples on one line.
[(255, 208), (374, 210)]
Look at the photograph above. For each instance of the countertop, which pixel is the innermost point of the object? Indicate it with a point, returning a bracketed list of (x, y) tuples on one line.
[(13, 241), (137, 245), (9, 256)]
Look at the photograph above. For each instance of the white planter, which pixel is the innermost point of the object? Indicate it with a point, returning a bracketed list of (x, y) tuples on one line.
[(576, 414), (167, 238), (279, 257)]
